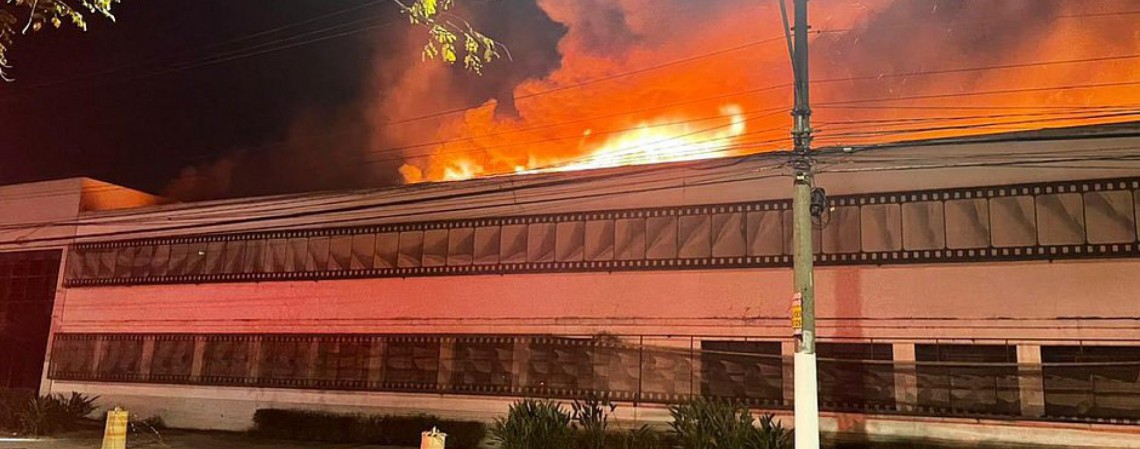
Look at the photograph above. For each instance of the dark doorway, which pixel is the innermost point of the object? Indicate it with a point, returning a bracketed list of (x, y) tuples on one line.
[(27, 292)]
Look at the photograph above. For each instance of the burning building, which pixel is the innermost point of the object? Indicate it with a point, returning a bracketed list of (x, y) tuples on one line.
[(967, 288)]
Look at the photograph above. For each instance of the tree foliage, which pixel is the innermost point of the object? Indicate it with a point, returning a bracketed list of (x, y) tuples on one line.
[(22, 16), (450, 37)]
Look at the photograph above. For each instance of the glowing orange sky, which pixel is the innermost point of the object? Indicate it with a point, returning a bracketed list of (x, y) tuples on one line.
[(714, 81)]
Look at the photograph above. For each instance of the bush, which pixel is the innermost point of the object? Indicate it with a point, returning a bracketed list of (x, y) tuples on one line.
[(643, 437), (533, 424), (24, 412), (306, 425), (591, 422), (709, 424)]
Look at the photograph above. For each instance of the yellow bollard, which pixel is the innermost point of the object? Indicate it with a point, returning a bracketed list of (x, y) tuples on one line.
[(433, 439), (115, 434)]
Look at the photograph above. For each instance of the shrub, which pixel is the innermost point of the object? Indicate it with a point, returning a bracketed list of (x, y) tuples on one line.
[(643, 437), (711, 424), (591, 418), (772, 434), (533, 424), (307, 425), (77, 406), (30, 414)]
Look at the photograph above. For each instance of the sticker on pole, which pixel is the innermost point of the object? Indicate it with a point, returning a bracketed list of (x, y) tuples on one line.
[(797, 314)]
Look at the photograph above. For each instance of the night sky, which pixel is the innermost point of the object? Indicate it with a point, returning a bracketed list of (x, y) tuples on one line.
[(140, 101)]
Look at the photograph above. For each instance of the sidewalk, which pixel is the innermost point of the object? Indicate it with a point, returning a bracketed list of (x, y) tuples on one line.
[(174, 439)]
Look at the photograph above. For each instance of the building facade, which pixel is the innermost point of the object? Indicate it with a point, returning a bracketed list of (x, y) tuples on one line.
[(995, 300)]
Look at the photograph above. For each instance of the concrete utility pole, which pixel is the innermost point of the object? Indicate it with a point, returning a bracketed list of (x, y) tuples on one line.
[(806, 383)]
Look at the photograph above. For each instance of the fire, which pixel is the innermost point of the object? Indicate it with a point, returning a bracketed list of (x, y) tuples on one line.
[(719, 83), (650, 143)]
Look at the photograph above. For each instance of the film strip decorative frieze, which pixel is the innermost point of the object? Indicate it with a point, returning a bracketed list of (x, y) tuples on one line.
[(1081, 383), (1043, 221)]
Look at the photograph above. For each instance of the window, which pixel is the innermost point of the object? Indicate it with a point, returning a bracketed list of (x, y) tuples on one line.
[(967, 223), (411, 249), (72, 357), (540, 242), (661, 235), (559, 366), (970, 379), (226, 359), (615, 369), (1111, 217), (666, 372), (765, 233), (514, 244), (340, 253), (121, 358), (841, 230), (1091, 381), (600, 240), (850, 378), (694, 236), (1061, 219), (284, 360), (460, 246), (881, 227), (411, 363), (364, 250), (748, 371), (1014, 221), (343, 361), (482, 364), (486, 246), (172, 359), (629, 240), (435, 245), (924, 225), (728, 235)]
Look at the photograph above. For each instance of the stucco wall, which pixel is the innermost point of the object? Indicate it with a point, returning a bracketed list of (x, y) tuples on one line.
[(1070, 301)]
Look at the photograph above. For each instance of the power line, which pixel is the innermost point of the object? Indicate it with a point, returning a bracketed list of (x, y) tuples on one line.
[(1012, 159), (224, 43)]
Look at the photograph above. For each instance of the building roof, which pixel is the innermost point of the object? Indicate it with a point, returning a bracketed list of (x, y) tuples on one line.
[(1007, 158)]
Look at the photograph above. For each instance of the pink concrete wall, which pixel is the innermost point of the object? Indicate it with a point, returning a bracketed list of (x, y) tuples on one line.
[(1091, 300)]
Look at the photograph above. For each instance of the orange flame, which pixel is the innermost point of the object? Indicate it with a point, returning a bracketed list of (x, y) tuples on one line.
[(721, 86)]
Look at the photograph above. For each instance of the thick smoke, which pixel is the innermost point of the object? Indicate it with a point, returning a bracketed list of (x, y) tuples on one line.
[(872, 41), (546, 105), (353, 143)]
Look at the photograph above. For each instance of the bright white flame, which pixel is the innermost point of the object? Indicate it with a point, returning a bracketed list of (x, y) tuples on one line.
[(656, 142)]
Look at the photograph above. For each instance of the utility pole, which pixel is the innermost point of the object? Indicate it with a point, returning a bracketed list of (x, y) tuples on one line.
[(806, 380)]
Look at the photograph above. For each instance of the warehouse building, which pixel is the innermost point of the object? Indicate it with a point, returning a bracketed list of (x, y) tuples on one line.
[(971, 288)]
